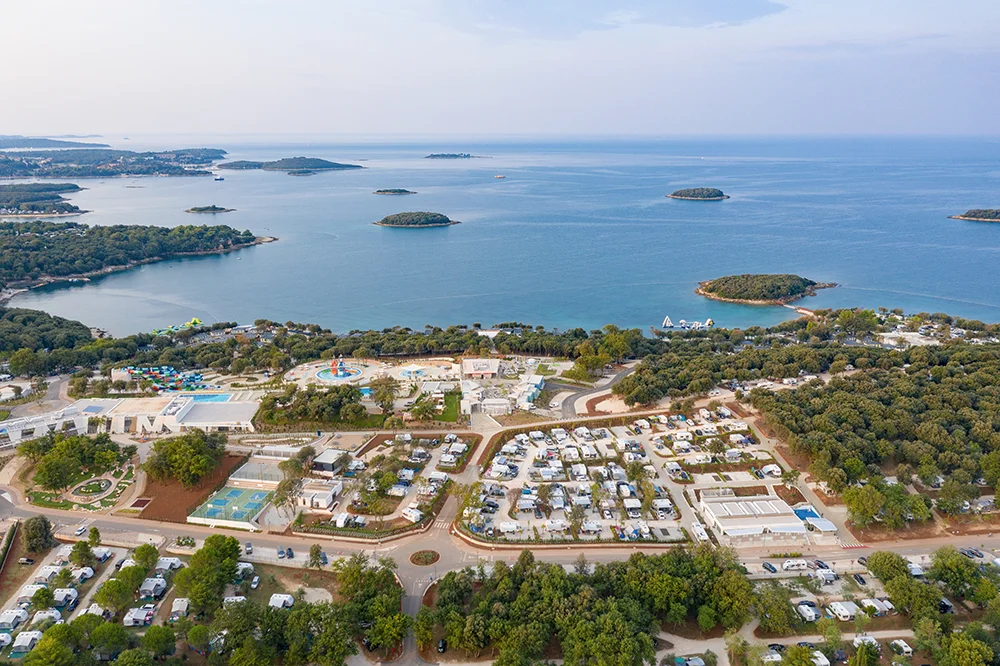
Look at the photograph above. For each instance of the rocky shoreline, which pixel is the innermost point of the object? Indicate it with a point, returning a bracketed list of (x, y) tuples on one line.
[(777, 301), (416, 226), (723, 197), (973, 219), (16, 288)]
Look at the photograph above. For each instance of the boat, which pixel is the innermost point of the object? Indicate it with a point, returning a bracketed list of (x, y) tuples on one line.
[(667, 323), (499, 176), (709, 323), (683, 323), (219, 178)]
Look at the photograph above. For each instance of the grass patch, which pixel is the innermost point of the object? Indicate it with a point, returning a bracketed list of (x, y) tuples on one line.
[(451, 404), (4, 414), (48, 500), (545, 371), (425, 558)]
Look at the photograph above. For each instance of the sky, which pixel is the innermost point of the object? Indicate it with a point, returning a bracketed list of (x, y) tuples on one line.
[(501, 67)]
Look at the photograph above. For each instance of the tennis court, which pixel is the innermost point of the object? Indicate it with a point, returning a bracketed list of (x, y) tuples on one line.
[(237, 504)]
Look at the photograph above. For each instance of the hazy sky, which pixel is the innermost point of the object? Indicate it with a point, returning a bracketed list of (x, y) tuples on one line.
[(478, 67)]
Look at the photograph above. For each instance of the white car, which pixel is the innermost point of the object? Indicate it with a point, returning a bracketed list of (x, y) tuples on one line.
[(554, 404), (80, 530), (255, 583)]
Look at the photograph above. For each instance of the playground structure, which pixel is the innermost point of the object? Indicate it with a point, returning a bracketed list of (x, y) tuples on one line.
[(339, 371), (165, 378), (194, 323), (343, 371)]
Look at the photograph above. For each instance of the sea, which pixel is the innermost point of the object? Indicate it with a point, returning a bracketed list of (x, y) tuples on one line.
[(576, 234)]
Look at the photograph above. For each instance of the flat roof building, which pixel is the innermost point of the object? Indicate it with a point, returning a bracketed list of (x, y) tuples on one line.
[(750, 521)]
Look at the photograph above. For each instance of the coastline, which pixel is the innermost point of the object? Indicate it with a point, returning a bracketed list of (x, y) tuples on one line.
[(209, 212), (392, 194), (973, 219), (416, 226), (20, 287), (777, 301), (20, 216), (722, 198)]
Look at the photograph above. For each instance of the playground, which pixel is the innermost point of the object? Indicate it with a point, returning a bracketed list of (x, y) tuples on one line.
[(165, 378), (348, 371)]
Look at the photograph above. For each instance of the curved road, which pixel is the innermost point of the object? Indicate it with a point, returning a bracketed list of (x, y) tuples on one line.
[(569, 404)]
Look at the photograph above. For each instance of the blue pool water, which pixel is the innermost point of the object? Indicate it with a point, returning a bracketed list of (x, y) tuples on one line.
[(805, 513), (577, 234), (211, 397), (365, 391)]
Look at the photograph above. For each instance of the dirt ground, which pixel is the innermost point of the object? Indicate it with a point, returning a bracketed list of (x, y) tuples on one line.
[(792, 496), (875, 533), (15, 575), (170, 501)]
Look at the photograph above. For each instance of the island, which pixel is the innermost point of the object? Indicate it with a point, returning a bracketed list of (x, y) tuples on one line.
[(451, 156), (8, 141), (291, 165), (39, 252), (37, 200), (416, 220), (979, 215), (758, 289), (393, 191), (210, 209), (106, 163), (699, 194)]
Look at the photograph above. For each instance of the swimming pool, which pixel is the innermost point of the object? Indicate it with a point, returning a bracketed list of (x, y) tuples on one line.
[(366, 391), (211, 397)]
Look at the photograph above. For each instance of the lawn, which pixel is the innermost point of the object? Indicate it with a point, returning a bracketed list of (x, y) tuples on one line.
[(545, 371), (47, 500), (451, 403), (4, 414)]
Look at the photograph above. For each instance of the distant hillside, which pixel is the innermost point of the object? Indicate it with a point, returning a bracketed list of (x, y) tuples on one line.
[(290, 165), (760, 289), (450, 156), (104, 163), (413, 220), (34, 199), (16, 141), (394, 190), (699, 194)]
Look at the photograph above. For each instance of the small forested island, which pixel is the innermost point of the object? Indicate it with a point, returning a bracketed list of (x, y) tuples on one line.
[(8, 141), (699, 194), (291, 165), (413, 220), (450, 156), (979, 215), (105, 163), (37, 199), (394, 190), (209, 209), (757, 289), (37, 252)]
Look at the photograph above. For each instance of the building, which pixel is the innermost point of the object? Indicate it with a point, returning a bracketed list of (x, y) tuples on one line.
[(28, 591), (330, 462), (25, 643), (480, 368), (139, 617), (65, 596), (750, 521), (47, 615), (318, 495)]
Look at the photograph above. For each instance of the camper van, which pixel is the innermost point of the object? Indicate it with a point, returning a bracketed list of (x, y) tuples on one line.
[(808, 613), (794, 565)]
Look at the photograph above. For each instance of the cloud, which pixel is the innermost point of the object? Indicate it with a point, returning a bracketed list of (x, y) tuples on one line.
[(565, 19)]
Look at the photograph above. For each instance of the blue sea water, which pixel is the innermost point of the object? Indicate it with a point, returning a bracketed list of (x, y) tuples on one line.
[(577, 233)]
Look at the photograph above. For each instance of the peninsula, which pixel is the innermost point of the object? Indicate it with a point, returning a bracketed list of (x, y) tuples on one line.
[(699, 194), (757, 289), (8, 141), (979, 215), (106, 163), (451, 156), (291, 165), (415, 220), (394, 190), (210, 209), (37, 200), (50, 252)]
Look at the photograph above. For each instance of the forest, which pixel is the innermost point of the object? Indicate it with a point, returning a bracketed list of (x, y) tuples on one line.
[(699, 193), (36, 198), (32, 250), (927, 413), (186, 458), (982, 214), (105, 162), (603, 613), (415, 219), (288, 164), (757, 287)]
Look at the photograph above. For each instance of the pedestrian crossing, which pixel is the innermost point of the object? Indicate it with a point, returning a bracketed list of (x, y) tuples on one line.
[(847, 545), (442, 523)]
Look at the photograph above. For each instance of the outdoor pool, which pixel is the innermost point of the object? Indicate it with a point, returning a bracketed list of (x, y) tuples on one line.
[(211, 397)]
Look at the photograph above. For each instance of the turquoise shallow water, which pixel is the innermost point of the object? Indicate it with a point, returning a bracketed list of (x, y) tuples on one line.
[(577, 234)]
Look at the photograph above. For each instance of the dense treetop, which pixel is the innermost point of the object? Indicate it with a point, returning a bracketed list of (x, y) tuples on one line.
[(699, 193), (759, 287), (415, 219), (31, 250), (187, 458), (209, 209), (394, 190), (290, 164), (36, 198)]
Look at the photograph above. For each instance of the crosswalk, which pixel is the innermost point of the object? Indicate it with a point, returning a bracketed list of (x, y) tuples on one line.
[(442, 523), (848, 545)]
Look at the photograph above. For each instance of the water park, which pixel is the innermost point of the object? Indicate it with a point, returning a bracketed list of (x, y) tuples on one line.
[(343, 371), (164, 378), (194, 323)]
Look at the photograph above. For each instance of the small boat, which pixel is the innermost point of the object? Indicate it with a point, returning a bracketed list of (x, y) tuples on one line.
[(709, 323), (667, 323), (683, 323), (219, 178), (499, 176)]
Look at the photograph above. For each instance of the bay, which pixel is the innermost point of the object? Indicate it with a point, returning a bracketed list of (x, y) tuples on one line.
[(578, 233)]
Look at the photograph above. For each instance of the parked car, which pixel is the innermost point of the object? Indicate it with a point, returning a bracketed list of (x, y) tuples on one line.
[(281, 553), (248, 548), (442, 645), (607, 514), (323, 559), (806, 602), (80, 530), (25, 560), (863, 561), (255, 583), (859, 579), (777, 647), (978, 553), (769, 567), (288, 553), (806, 644), (820, 564)]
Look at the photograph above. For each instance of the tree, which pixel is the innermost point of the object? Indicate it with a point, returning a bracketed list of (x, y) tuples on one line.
[(581, 567), (966, 651), (42, 599), (353, 412), (251, 653), (797, 655), (863, 503), (736, 645), (50, 652), (94, 537), (198, 637), (886, 565), (384, 390), (26, 363), (146, 556), (159, 640), (63, 578), (393, 423), (134, 657), (830, 631), (958, 573), (114, 595), (38, 534), (388, 630), (790, 477), (212, 567), (774, 609), (423, 627), (108, 639), (865, 655), (82, 555), (314, 556), (186, 458)]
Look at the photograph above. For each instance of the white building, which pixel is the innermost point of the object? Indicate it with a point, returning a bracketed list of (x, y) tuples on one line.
[(751, 521)]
